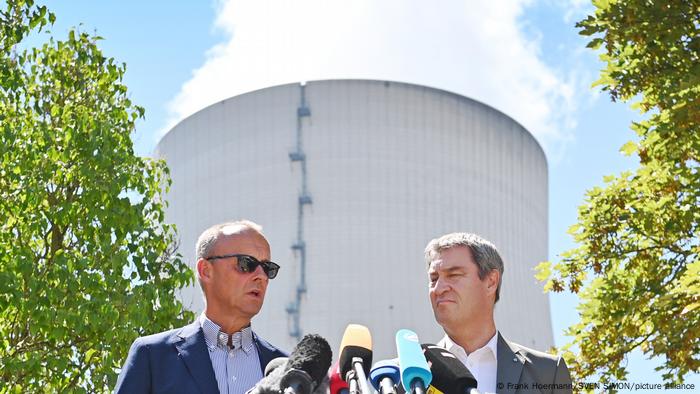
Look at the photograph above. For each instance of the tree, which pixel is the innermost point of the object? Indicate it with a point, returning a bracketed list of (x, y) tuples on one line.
[(86, 260), (636, 266)]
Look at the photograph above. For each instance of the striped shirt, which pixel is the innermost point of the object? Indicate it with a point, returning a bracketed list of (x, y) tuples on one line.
[(237, 369)]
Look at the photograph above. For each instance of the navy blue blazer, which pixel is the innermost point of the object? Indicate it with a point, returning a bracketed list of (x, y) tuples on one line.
[(177, 361)]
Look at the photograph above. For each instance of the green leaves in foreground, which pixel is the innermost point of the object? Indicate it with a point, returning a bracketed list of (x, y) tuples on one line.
[(86, 261), (636, 268)]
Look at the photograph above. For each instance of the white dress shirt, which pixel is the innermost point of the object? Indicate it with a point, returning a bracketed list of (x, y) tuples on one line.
[(482, 362), (236, 369)]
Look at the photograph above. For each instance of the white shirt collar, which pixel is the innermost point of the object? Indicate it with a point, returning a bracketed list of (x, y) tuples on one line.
[(492, 345), (212, 332), (482, 363)]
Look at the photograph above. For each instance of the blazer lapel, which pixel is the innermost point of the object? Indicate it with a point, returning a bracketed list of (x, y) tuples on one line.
[(192, 349), (509, 367), (266, 352)]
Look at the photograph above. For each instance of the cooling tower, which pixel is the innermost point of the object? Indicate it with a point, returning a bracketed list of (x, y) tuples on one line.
[(350, 179)]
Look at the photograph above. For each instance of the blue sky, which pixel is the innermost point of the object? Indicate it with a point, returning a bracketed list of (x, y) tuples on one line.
[(523, 57)]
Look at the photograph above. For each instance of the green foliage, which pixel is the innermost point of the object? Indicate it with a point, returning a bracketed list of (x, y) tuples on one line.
[(86, 261), (636, 268)]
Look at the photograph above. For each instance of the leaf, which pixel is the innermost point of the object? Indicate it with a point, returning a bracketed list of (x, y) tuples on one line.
[(543, 271), (595, 43), (690, 308), (629, 148)]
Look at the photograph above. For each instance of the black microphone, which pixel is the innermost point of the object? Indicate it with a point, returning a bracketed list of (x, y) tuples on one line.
[(304, 372), (274, 364), (270, 384), (307, 365), (450, 376)]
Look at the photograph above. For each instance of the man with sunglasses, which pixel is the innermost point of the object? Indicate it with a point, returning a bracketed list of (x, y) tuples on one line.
[(219, 352)]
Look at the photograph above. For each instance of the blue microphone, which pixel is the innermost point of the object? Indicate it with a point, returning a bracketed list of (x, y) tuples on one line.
[(384, 376), (415, 372)]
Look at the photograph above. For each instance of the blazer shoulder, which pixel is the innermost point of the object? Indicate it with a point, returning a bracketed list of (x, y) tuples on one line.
[(536, 356), (140, 371), (520, 364), (548, 368), (160, 338), (165, 338)]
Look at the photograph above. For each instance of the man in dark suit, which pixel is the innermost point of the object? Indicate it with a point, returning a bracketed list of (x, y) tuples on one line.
[(465, 273), (219, 352)]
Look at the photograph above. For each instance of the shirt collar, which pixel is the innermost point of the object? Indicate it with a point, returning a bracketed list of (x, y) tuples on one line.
[(211, 333), (491, 345)]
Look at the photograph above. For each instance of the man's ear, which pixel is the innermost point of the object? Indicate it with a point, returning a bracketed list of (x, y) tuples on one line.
[(203, 270), (492, 279)]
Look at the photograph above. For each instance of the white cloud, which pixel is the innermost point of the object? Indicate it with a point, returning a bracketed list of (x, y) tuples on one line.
[(474, 48), (576, 10)]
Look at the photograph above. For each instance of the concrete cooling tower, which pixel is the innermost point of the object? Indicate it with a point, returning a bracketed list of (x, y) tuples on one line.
[(350, 179)]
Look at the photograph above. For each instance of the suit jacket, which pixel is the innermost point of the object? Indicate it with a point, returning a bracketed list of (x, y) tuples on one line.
[(523, 370), (177, 361)]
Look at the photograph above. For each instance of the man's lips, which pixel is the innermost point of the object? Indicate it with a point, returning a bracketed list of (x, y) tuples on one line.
[(255, 293), (444, 301)]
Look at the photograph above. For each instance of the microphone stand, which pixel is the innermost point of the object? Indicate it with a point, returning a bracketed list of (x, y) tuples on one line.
[(356, 378), (417, 386), (361, 377)]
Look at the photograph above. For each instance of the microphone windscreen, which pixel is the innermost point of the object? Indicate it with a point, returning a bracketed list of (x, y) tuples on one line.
[(449, 374), (357, 342), (412, 362), (274, 364), (312, 355), (336, 382), (270, 384), (384, 369)]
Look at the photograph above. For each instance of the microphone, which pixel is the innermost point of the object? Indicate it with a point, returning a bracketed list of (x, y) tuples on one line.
[(450, 376), (384, 376), (274, 364), (356, 358), (307, 365), (415, 373), (302, 373), (336, 382), (270, 384)]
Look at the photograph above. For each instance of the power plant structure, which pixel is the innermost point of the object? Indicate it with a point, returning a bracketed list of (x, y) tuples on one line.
[(350, 180)]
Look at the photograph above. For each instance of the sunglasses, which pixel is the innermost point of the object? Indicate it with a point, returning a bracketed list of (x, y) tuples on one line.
[(249, 264)]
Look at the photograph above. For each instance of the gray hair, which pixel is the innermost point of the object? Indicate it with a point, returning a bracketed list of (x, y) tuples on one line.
[(207, 240), (484, 253)]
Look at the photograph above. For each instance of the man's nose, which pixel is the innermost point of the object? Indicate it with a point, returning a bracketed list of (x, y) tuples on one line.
[(440, 286), (259, 272)]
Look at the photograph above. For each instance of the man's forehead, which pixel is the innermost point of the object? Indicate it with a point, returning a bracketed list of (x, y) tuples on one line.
[(441, 265), (452, 258)]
